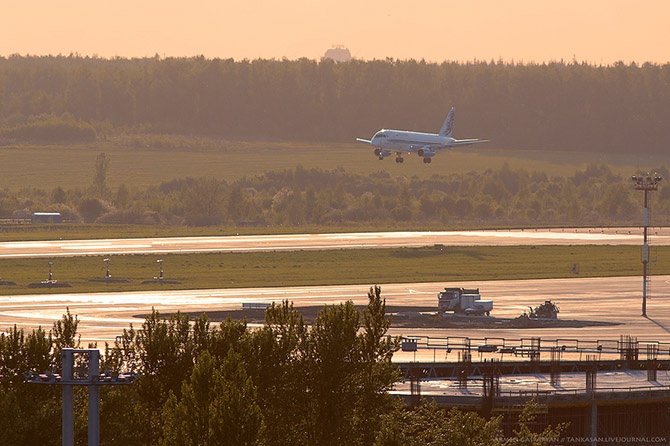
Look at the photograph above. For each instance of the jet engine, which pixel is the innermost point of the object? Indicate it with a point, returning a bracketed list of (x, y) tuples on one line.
[(382, 153), (425, 152)]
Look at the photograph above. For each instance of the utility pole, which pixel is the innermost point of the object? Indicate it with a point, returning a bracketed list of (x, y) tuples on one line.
[(646, 183), (93, 380)]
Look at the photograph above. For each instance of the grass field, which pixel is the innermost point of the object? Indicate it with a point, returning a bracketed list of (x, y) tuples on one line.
[(369, 267), (92, 231), (73, 166)]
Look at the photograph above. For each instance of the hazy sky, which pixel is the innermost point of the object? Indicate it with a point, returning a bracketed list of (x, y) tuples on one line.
[(595, 31)]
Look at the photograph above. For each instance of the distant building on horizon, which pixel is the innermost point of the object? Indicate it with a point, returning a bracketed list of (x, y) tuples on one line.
[(338, 53)]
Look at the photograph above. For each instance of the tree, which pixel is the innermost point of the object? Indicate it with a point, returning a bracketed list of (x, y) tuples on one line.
[(217, 407), (100, 179), (186, 419), (277, 361), (524, 435), (123, 197), (431, 425), (238, 420), (349, 371), (334, 357), (163, 350), (203, 202), (64, 333), (58, 195), (90, 208), (29, 414), (378, 374)]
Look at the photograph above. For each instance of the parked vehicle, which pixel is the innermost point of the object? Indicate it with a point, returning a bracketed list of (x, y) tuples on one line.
[(463, 301)]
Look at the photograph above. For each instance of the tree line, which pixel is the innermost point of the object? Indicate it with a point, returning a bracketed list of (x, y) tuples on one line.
[(553, 106), (303, 197), (200, 384)]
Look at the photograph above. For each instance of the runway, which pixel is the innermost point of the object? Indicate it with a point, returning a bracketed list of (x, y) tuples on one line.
[(574, 236), (103, 316)]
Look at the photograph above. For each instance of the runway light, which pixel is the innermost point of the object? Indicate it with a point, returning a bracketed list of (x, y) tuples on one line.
[(160, 274), (108, 274)]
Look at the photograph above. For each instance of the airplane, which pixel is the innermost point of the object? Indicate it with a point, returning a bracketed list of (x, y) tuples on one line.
[(426, 145)]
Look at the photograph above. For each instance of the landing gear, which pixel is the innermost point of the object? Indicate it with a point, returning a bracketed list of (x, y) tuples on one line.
[(400, 159), (427, 160)]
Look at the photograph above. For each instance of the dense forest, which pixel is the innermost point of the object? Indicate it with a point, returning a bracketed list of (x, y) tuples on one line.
[(200, 384), (300, 197), (557, 106)]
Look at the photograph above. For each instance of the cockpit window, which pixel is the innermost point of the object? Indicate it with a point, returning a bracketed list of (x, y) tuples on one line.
[(380, 135)]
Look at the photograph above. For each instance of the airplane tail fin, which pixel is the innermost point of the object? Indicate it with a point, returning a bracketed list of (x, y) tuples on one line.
[(448, 125)]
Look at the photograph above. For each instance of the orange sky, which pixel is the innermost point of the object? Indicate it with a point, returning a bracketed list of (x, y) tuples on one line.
[(595, 31)]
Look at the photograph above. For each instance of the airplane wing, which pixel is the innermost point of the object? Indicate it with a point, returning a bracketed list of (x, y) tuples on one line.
[(447, 146), (466, 142)]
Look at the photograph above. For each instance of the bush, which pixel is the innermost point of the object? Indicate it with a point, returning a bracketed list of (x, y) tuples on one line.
[(90, 209), (52, 130)]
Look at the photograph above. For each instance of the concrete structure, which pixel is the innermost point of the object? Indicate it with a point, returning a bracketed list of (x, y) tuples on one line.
[(605, 392)]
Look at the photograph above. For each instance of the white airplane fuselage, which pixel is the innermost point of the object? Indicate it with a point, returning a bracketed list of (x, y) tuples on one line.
[(405, 141)]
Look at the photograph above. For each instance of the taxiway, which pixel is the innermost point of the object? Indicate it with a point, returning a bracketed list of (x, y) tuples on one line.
[(103, 316)]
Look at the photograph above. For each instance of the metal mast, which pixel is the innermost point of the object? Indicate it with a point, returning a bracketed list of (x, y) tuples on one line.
[(646, 183), (70, 378)]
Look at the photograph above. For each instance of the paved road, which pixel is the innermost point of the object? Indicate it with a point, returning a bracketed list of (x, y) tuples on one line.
[(104, 315), (580, 236)]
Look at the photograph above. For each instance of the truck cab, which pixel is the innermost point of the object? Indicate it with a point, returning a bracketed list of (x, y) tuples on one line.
[(463, 301)]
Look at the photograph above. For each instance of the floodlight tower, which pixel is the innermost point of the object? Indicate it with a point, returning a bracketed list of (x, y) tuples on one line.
[(646, 183)]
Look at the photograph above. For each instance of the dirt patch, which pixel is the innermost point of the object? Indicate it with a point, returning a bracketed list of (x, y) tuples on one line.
[(414, 317)]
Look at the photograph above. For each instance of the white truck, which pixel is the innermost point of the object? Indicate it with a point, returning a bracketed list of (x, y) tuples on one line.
[(463, 301)]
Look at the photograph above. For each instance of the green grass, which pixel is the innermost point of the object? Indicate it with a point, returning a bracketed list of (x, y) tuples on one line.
[(91, 231), (73, 166), (429, 264)]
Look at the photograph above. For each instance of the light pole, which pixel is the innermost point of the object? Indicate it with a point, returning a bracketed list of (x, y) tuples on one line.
[(645, 183), (160, 275), (108, 274)]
